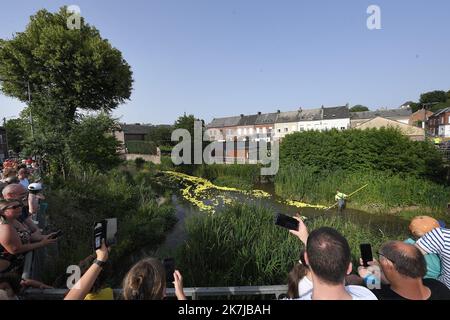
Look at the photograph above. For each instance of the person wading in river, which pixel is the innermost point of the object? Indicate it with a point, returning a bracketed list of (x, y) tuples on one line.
[(341, 199)]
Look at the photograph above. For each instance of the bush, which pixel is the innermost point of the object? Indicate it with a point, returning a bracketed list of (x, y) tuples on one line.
[(141, 147), (385, 150)]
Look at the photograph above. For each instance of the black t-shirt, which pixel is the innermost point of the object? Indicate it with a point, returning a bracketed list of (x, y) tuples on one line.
[(439, 291)]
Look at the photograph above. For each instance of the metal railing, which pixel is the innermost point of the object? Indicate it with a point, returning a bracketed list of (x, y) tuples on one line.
[(193, 293)]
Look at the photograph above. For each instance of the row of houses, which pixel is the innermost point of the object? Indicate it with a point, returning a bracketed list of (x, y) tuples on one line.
[(274, 126)]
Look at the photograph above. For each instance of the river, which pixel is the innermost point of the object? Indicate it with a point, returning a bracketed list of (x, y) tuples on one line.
[(387, 224)]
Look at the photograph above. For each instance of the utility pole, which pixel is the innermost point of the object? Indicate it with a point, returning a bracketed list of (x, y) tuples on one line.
[(6, 138), (29, 106)]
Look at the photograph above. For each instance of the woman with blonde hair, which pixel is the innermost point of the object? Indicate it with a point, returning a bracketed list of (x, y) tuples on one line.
[(146, 280)]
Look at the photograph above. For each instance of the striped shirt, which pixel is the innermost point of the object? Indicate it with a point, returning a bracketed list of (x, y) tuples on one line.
[(438, 241)]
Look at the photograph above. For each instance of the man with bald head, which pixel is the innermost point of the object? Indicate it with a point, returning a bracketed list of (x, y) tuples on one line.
[(19, 192), (404, 267)]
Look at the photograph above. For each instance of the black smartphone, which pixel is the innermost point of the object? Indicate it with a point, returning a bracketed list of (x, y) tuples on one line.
[(285, 221), (105, 230), (56, 235), (98, 235), (169, 266), (366, 253)]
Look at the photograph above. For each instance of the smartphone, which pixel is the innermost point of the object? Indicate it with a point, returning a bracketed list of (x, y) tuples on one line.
[(366, 253), (169, 266), (56, 235), (285, 221), (105, 230), (111, 232)]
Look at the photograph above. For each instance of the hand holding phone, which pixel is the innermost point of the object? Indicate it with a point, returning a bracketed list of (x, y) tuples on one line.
[(57, 234), (366, 253), (169, 266), (285, 221)]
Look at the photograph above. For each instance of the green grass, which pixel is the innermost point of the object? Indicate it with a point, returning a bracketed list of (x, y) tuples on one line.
[(241, 176), (242, 246), (385, 192)]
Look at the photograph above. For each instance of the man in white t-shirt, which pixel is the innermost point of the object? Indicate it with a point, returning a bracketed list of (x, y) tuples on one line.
[(329, 258)]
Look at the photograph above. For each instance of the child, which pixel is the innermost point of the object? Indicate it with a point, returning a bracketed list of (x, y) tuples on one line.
[(299, 279)]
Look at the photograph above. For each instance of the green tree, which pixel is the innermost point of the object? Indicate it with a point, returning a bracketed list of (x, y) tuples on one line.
[(160, 135), (65, 71), (16, 134), (358, 108), (433, 97), (91, 143), (74, 69), (187, 122)]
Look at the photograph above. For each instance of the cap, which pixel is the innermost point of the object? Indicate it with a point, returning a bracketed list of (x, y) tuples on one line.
[(422, 224)]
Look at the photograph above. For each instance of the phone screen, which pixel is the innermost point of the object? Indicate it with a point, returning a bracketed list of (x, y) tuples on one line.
[(169, 266), (286, 222), (366, 253)]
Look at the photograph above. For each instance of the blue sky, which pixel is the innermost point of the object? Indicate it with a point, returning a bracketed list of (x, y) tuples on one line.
[(219, 58)]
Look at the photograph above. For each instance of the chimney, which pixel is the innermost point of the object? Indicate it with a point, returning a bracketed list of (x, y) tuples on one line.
[(242, 115), (278, 111), (259, 113)]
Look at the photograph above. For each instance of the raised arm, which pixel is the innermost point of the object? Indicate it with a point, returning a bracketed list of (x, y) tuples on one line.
[(84, 285)]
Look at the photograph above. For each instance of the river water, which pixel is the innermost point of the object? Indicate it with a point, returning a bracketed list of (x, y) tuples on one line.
[(387, 224)]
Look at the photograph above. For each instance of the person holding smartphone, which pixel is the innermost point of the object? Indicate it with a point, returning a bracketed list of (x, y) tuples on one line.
[(84, 285)]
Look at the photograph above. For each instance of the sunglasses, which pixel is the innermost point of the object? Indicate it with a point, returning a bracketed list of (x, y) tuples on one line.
[(17, 206), (382, 255)]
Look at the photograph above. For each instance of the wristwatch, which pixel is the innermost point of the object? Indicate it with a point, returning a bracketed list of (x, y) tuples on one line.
[(99, 263)]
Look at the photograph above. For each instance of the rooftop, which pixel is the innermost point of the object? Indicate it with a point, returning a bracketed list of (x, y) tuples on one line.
[(390, 113)]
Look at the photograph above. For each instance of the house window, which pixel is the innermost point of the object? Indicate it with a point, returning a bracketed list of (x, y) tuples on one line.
[(293, 128), (239, 132), (250, 130), (442, 120), (257, 130), (270, 130), (245, 130), (264, 130), (279, 130), (286, 129), (342, 128), (302, 129)]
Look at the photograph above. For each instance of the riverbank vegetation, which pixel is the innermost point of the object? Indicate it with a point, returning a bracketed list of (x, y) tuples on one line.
[(242, 246), (400, 173), (86, 197)]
